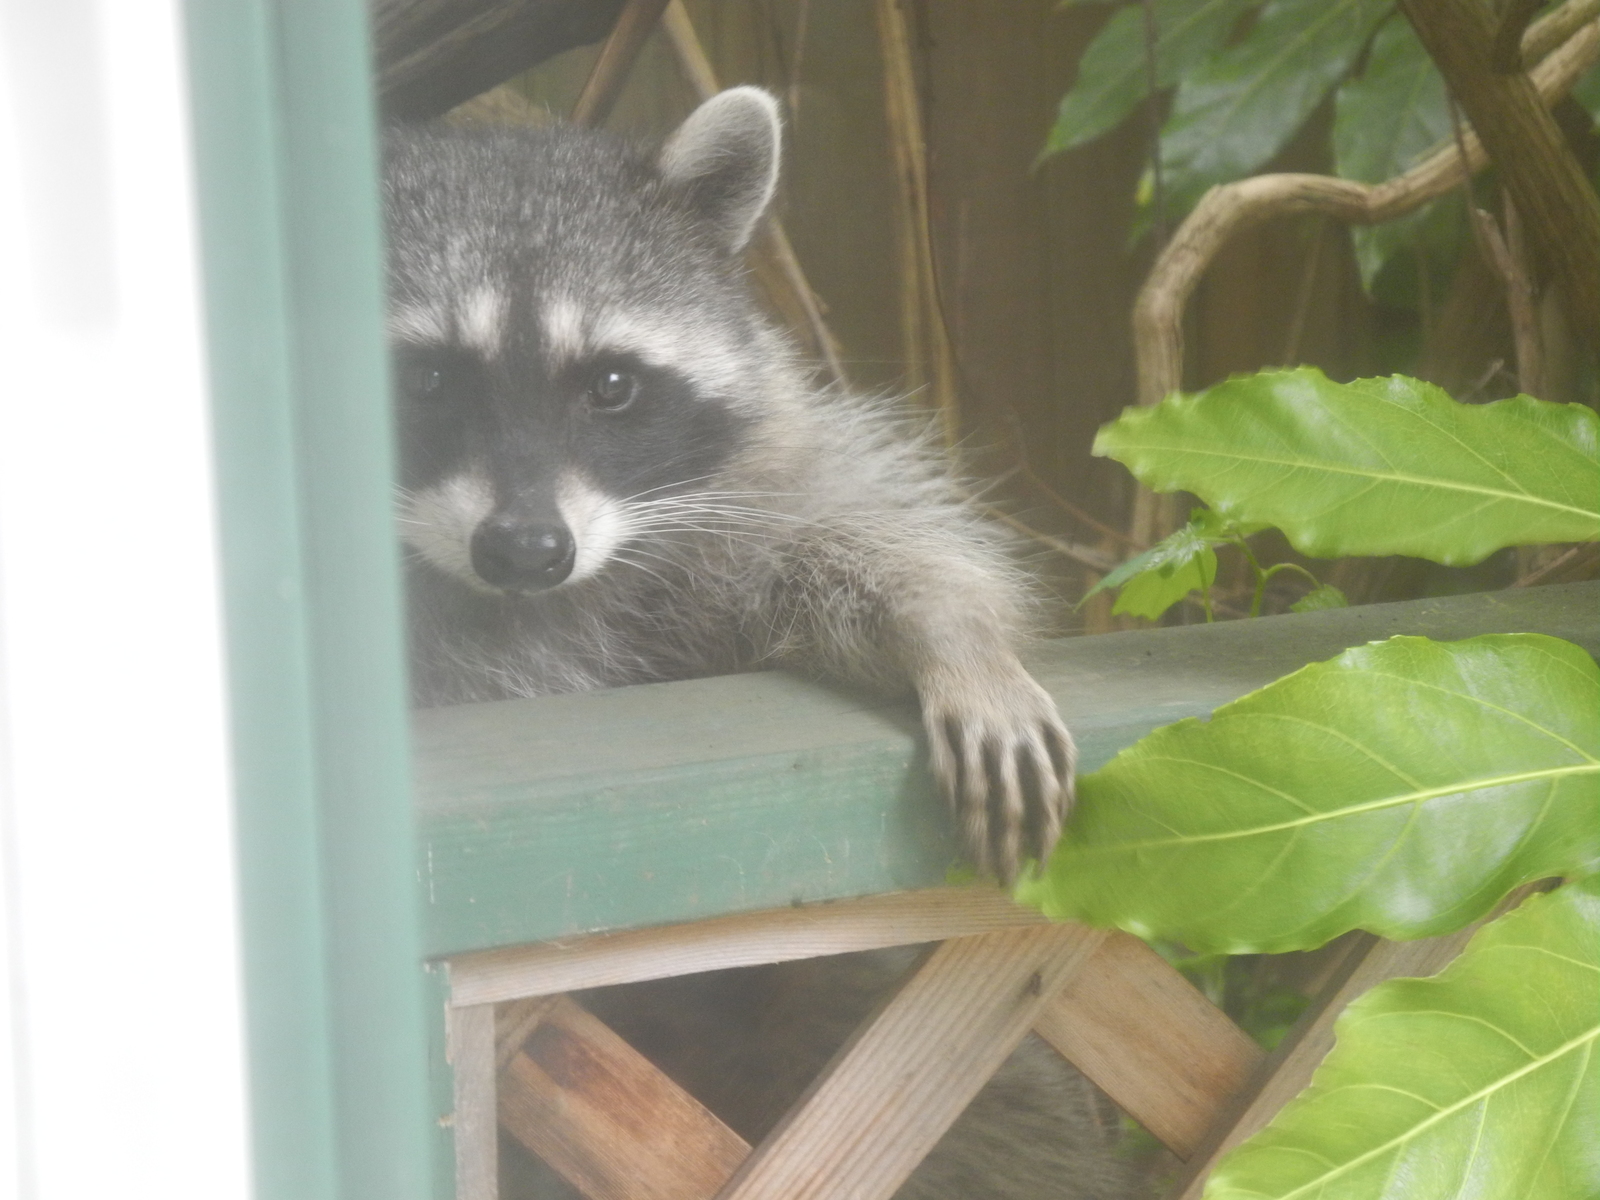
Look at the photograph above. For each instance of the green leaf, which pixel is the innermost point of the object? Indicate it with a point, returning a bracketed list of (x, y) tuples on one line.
[(1403, 788), (1180, 563), (1152, 592), (1239, 107), (1395, 114), (1321, 597), (1384, 123), (1112, 73), (1143, 561), (1482, 1081), (1378, 466)]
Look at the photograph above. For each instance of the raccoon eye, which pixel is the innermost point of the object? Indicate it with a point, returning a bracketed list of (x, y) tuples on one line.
[(611, 391), (423, 378)]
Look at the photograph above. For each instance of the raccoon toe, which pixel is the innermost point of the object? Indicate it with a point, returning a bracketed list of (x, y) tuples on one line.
[(1003, 760)]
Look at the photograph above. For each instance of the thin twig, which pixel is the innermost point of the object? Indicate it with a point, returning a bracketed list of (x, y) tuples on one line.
[(1536, 577), (802, 23), (1497, 367), (1073, 511), (784, 278), (924, 331), (1025, 468), (1522, 301), (617, 56), (1509, 264), (1496, 249), (1094, 559), (1506, 261)]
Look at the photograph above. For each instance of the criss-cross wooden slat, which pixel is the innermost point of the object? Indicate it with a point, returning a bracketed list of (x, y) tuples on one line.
[(889, 1095), (577, 1095), (597, 1111), (999, 972)]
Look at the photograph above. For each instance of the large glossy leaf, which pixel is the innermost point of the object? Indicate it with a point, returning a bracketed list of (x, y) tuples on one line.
[(1384, 123), (1483, 1081), (1113, 74), (1378, 466), (1395, 113), (1238, 108), (1403, 788)]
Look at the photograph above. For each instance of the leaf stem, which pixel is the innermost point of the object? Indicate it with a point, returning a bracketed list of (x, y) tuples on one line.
[(1256, 571), (1287, 566), (1263, 575)]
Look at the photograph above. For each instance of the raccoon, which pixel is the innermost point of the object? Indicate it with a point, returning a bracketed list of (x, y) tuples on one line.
[(615, 470)]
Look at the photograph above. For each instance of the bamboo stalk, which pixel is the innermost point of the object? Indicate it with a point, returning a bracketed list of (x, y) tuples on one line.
[(925, 340)]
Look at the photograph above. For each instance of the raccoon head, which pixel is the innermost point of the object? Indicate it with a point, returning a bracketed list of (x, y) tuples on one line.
[(574, 349)]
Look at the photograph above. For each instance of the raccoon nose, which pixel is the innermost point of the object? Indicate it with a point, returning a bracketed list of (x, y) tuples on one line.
[(522, 557)]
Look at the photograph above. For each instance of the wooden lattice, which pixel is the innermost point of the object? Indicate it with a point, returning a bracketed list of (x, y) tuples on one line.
[(530, 1059)]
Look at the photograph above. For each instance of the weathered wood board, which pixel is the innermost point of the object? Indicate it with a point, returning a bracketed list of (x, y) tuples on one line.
[(541, 819), (1150, 1041), (1127, 1019)]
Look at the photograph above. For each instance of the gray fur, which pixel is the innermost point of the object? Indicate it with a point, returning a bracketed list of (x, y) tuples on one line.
[(830, 539), (826, 534), (727, 154)]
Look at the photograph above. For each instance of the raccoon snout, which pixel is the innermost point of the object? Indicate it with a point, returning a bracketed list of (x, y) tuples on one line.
[(522, 557)]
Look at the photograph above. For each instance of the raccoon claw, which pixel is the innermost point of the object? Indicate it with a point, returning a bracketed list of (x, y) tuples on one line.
[(1003, 760)]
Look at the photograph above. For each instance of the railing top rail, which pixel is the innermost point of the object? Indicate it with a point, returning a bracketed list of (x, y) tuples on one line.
[(547, 818)]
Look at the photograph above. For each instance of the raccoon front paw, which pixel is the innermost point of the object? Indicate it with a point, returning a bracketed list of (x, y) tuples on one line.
[(1003, 760)]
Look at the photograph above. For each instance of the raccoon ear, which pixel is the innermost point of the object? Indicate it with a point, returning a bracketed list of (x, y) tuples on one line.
[(725, 155)]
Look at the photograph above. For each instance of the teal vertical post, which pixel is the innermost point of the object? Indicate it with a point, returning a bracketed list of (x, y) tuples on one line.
[(291, 250)]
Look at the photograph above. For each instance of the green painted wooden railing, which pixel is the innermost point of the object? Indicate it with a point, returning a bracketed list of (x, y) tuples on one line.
[(670, 802)]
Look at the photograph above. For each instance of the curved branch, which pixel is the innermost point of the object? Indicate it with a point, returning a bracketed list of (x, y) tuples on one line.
[(1553, 29), (1229, 209)]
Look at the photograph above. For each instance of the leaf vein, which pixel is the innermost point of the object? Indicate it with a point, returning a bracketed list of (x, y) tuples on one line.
[(1582, 1042), (1385, 802), (1399, 477)]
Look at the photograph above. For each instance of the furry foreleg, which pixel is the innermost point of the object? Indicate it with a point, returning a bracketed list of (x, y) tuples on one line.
[(896, 599)]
